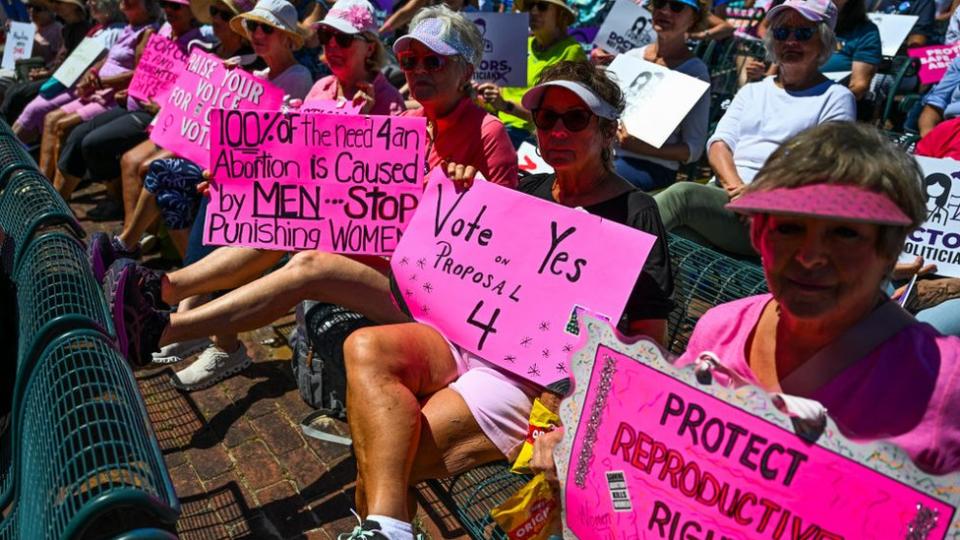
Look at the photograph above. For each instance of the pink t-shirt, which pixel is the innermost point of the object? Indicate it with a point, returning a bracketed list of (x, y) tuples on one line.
[(470, 136), (387, 100), (906, 391)]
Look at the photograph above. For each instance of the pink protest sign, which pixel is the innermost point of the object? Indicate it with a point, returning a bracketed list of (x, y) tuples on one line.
[(309, 180), (504, 274), (934, 60), (648, 452), (157, 69), (203, 84)]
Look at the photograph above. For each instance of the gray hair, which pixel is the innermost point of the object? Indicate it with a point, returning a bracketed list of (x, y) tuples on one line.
[(828, 39), (456, 28)]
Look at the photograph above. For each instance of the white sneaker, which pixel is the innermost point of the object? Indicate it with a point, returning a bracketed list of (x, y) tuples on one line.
[(176, 352), (213, 366)]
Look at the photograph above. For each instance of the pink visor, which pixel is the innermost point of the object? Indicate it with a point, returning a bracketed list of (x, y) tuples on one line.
[(828, 201)]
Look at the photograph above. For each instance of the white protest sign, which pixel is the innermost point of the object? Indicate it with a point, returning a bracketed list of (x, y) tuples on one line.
[(657, 98), (893, 30), (938, 239), (504, 48), (837, 76), (531, 162), (86, 53), (627, 26), (19, 44)]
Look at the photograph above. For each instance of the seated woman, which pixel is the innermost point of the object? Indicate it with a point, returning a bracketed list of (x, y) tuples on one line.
[(438, 58), (645, 166), (762, 116), (421, 407), (858, 47)]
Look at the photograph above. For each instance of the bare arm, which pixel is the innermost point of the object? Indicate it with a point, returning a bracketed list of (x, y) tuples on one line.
[(721, 160), (860, 78), (402, 15), (929, 118)]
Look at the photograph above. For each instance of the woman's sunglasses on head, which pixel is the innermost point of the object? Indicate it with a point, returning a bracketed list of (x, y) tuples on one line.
[(573, 120), (343, 40), (223, 14), (252, 27), (431, 63), (674, 5), (801, 33)]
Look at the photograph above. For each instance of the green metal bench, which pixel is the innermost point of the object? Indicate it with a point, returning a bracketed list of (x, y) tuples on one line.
[(13, 156)]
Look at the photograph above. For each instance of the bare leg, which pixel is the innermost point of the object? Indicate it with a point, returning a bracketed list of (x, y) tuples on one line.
[(65, 184), (61, 130), (390, 369), (225, 268), (48, 141), (180, 238), (357, 283), (131, 180), (28, 136), (145, 212)]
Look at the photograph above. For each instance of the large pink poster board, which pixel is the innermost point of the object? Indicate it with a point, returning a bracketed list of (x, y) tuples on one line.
[(934, 60), (311, 180), (505, 275), (203, 84), (650, 453), (161, 62)]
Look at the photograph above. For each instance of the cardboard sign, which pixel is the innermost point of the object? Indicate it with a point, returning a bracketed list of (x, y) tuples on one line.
[(305, 180), (934, 60), (504, 61), (650, 453), (203, 84), (157, 69), (531, 162), (504, 274), (938, 239), (628, 26), (657, 98), (86, 53), (894, 29), (19, 44)]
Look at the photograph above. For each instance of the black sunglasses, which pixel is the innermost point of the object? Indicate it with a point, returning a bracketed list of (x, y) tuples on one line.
[(223, 14), (573, 120), (675, 6), (173, 6), (252, 26), (343, 40), (802, 33), (431, 63)]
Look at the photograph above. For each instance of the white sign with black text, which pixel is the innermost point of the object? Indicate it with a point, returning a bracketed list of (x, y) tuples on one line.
[(938, 239), (504, 48), (628, 26), (19, 44), (86, 53)]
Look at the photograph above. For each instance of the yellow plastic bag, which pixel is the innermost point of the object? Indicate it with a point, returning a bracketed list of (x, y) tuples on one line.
[(533, 513), (542, 420)]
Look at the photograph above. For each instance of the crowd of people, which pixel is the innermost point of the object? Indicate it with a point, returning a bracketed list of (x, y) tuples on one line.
[(823, 202)]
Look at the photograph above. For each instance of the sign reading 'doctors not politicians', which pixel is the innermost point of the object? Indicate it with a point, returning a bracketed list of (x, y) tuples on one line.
[(183, 124), (934, 60), (628, 25), (657, 98), (938, 239), (504, 59), (894, 29), (306, 180), (157, 69), (19, 44), (86, 53), (502, 274), (650, 453)]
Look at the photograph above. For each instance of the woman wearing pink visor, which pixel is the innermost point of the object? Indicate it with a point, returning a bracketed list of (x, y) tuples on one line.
[(830, 211)]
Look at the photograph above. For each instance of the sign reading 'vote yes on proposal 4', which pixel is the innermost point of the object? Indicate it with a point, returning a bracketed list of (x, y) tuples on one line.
[(628, 26), (161, 62), (938, 239), (504, 61), (505, 275), (183, 124), (310, 180), (657, 98), (648, 452)]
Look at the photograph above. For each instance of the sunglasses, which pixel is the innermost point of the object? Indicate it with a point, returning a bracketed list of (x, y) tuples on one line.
[(172, 6), (675, 6), (252, 27), (539, 6), (343, 40), (223, 14), (573, 120), (802, 33), (431, 63)]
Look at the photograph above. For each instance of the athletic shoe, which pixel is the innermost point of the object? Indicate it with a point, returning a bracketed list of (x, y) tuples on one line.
[(367, 530), (176, 352), (103, 250), (138, 322), (213, 366)]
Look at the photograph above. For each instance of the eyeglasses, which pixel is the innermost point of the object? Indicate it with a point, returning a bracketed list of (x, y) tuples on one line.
[(540, 6), (573, 120), (252, 27), (800, 33), (675, 6), (223, 14), (343, 40), (431, 63), (172, 6)]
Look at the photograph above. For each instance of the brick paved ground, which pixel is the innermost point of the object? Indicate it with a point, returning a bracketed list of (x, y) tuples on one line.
[(240, 465)]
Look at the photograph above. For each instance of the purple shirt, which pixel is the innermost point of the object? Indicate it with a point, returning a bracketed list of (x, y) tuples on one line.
[(906, 391), (387, 100), (120, 58)]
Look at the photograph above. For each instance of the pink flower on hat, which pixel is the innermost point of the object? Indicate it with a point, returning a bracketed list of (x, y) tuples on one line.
[(358, 17)]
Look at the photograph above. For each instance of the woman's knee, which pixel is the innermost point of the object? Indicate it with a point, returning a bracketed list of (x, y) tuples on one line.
[(365, 352), (311, 266)]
